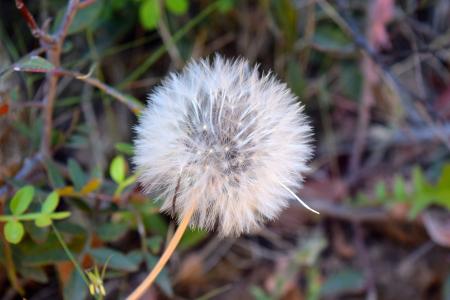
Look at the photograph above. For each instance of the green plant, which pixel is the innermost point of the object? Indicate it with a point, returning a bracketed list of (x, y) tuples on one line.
[(417, 193), (14, 230)]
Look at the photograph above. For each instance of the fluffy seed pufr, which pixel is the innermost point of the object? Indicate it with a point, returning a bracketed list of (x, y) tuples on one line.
[(223, 134)]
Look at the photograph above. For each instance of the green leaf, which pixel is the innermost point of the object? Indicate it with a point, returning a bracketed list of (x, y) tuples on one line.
[(310, 250), (149, 14), (86, 17), (361, 199), (136, 256), (50, 203), (295, 77), (78, 141), (259, 294), (444, 180), (343, 281), (43, 221), (155, 223), (21, 200), (54, 175), (36, 274), (418, 180), (14, 232), (331, 38), (420, 198), (110, 232), (76, 174), (125, 148), (117, 169), (118, 4), (117, 260), (350, 79), (83, 19), (177, 7), (47, 253), (380, 190), (191, 238), (76, 288), (416, 208), (36, 234), (399, 188), (314, 282), (59, 215), (225, 6), (124, 184), (163, 280), (154, 243), (70, 228), (34, 64), (446, 288)]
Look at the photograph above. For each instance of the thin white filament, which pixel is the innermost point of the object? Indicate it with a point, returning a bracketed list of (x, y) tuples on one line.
[(299, 200)]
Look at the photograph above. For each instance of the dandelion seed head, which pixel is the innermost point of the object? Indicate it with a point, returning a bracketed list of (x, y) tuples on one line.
[(223, 135)]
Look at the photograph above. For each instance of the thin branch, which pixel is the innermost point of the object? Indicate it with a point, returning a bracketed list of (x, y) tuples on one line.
[(167, 38), (348, 213), (71, 11), (50, 88), (85, 3), (360, 41), (31, 22), (54, 56), (134, 105), (418, 109), (28, 167)]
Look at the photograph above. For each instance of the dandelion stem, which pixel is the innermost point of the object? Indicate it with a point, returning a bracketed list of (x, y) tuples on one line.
[(299, 200), (140, 290)]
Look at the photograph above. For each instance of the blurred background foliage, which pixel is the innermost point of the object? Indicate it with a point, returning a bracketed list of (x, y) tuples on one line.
[(373, 76)]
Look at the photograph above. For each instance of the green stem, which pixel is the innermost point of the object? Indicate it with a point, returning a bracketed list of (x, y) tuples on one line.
[(34, 216), (70, 255), (130, 180)]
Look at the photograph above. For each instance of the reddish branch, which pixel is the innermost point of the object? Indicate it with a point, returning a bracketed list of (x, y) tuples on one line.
[(380, 14), (31, 22), (53, 54), (53, 45), (133, 106), (85, 3)]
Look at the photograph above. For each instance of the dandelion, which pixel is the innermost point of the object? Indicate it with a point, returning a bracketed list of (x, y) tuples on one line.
[(223, 146)]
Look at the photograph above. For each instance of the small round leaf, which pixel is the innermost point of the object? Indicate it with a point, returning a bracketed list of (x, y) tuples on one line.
[(177, 7), (21, 200), (117, 169), (149, 14), (50, 203), (43, 221), (225, 6), (14, 232)]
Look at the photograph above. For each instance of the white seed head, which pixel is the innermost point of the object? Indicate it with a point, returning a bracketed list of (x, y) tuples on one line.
[(222, 135)]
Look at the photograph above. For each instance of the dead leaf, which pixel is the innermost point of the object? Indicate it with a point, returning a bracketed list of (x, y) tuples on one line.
[(340, 243), (65, 269), (292, 292), (66, 191), (91, 186), (191, 271), (4, 108)]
